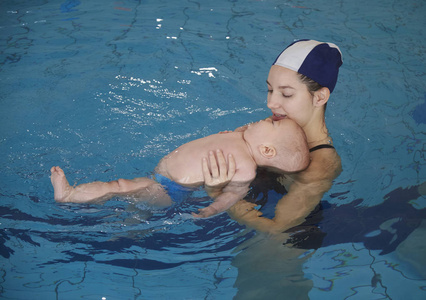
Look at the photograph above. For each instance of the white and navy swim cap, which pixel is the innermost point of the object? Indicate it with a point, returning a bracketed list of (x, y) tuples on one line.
[(317, 60)]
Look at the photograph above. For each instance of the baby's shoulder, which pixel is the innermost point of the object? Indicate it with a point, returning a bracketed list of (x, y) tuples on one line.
[(245, 169)]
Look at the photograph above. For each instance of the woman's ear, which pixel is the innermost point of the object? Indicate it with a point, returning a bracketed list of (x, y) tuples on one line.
[(267, 151), (321, 96)]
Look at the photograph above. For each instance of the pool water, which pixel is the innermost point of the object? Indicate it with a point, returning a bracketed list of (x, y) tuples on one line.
[(105, 89)]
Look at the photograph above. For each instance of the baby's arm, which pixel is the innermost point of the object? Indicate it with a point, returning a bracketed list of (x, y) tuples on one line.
[(230, 195)]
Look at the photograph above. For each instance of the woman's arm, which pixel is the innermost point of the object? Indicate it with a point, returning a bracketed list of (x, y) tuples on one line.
[(304, 193), (290, 211)]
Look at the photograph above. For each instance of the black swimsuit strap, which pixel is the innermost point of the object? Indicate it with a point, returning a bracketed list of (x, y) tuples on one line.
[(320, 147)]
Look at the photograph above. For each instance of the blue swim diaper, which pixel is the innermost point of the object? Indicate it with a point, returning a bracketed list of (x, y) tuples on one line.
[(177, 192)]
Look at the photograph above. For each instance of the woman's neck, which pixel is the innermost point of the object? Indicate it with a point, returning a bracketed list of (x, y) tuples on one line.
[(317, 133)]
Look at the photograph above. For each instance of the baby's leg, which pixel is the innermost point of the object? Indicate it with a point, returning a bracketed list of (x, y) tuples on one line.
[(144, 188), (89, 192)]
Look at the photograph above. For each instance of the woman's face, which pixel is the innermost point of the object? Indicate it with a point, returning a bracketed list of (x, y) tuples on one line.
[(288, 97)]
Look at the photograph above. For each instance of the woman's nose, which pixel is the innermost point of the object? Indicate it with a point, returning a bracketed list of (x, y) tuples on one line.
[(272, 102)]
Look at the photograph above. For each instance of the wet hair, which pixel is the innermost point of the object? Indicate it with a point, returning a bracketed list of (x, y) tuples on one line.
[(312, 85)]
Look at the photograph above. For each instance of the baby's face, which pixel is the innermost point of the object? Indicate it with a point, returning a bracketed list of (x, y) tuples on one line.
[(265, 131)]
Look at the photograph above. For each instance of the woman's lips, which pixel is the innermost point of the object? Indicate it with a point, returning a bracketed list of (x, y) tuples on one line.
[(277, 117)]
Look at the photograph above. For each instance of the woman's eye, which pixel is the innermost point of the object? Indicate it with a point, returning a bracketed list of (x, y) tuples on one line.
[(287, 95), (269, 91)]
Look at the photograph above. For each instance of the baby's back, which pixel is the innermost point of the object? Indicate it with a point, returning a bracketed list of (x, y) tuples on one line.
[(184, 165)]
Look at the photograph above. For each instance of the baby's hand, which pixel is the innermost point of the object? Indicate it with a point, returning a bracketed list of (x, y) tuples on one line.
[(205, 212)]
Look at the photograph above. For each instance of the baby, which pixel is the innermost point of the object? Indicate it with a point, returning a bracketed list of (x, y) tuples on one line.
[(278, 145)]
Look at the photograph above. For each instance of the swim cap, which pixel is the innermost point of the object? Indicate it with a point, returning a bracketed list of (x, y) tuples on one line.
[(316, 60)]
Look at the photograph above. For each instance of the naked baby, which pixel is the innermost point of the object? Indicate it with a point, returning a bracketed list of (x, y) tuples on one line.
[(278, 145)]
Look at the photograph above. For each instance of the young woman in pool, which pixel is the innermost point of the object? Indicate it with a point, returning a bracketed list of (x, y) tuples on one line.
[(299, 85)]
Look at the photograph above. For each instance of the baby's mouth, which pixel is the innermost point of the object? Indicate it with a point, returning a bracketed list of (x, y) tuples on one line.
[(277, 117)]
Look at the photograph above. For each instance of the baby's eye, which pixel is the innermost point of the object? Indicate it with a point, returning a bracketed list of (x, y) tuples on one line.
[(269, 91)]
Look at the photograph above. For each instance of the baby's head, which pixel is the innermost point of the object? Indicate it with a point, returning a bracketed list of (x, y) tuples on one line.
[(279, 145)]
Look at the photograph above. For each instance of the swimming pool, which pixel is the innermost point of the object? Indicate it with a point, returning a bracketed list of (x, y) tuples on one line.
[(105, 89)]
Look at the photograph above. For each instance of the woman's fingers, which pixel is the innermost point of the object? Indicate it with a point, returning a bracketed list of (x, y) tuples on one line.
[(216, 170), (226, 170), (223, 168), (206, 171), (244, 209), (213, 165), (231, 166)]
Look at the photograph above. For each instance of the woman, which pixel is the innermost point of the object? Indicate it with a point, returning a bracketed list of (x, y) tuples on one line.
[(299, 85)]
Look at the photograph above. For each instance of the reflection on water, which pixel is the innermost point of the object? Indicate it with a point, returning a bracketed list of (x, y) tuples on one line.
[(267, 268), (292, 263)]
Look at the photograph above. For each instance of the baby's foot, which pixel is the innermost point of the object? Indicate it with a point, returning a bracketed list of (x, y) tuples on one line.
[(60, 184)]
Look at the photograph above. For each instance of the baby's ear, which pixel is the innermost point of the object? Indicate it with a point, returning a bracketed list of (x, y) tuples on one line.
[(267, 151)]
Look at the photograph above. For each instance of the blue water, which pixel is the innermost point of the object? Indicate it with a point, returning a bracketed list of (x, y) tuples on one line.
[(106, 88)]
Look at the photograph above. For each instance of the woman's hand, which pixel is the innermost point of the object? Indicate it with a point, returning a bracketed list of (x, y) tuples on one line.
[(242, 128), (239, 129), (226, 131), (244, 211), (219, 174)]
